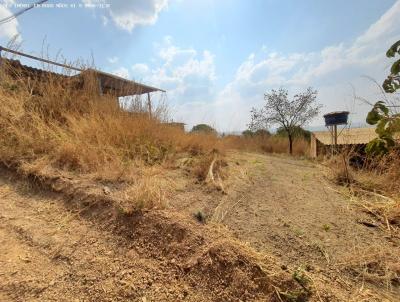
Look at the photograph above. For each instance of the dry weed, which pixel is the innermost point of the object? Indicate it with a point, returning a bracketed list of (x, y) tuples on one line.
[(265, 144), (50, 122), (379, 265), (372, 183)]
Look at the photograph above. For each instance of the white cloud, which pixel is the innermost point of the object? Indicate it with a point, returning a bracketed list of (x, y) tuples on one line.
[(173, 55), (129, 14), (113, 60), (189, 76), (387, 25), (122, 72), (10, 29), (333, 71), (140, 70)]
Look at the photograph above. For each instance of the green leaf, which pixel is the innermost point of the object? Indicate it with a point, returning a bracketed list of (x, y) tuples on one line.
[(390, 142), (373, 117), (381, 127), (376, 147), (393, 49), (382, 106), (387, 85), (395, 67)]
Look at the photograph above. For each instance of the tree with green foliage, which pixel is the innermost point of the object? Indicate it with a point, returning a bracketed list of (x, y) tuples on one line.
[(288, 114), (259, 132), (387, 122), (248, 133), (262, 133), (204, 128)]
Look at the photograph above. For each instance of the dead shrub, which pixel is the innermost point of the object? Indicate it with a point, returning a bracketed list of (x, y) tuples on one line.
[(340, 171), (147, 192), (209, 163), (377, 264), (373, 184)]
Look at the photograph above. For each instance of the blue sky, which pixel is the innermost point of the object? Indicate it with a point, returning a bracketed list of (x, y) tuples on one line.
[(216, 59)]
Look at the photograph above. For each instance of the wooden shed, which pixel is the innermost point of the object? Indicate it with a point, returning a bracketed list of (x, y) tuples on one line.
[(106, 83), (321, 141)]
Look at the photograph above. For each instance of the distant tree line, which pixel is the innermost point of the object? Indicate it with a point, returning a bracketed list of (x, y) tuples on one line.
[(203, 128), (298, 132)]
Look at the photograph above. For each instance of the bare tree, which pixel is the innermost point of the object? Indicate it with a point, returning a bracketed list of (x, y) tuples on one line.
[(288, 114)]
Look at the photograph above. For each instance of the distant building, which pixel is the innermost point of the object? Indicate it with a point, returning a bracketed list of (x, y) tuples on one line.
[(106, 83), (180, 126), (322, 141)]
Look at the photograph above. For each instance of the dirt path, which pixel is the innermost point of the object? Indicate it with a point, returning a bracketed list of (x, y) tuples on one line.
[(285, 207), (290, 209), (79, 247), (277, 205), (50, 254)]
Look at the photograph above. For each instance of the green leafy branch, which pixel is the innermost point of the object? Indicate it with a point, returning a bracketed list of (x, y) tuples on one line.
[(392, 82), (387, 123)]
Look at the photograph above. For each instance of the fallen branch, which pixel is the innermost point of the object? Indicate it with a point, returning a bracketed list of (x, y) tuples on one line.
[(211, 178)]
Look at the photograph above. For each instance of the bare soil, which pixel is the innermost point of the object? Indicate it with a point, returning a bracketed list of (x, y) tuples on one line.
[(279, 231), (286, 207), (51, 254), (57, 248)]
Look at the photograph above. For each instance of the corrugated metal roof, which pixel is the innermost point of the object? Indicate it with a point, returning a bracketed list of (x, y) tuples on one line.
[(120, 86), (348, 136), (110, 83)]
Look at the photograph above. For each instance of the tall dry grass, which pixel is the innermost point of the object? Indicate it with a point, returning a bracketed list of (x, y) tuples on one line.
[(51, 121), (266, 144), (373, 183)]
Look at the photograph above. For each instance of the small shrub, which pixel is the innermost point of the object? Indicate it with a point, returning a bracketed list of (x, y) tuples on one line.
[(326, 227), (200, 216)]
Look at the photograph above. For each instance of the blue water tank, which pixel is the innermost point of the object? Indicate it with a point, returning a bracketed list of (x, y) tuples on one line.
[(336, 118)]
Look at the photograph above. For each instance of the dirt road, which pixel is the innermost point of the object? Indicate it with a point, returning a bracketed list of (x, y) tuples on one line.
[(286, 207), (277, 205), (79, 247), (290, 209)]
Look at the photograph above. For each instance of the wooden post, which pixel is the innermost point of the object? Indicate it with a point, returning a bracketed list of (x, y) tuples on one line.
[(100, 86), (313, 146), (149, 104), (335, 137), (332, 139)]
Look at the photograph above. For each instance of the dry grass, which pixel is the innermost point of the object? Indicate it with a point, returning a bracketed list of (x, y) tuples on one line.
[(50, 124), (373, 185), (378, 265), (267, 144), (78, 130)]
